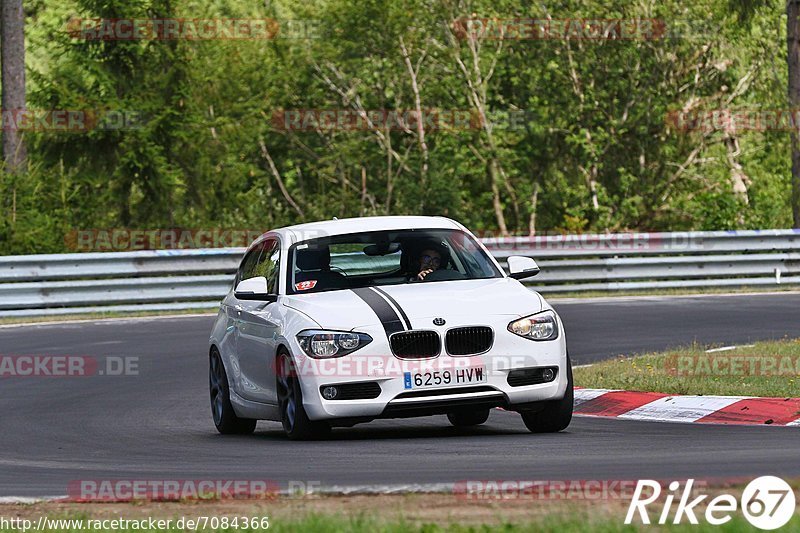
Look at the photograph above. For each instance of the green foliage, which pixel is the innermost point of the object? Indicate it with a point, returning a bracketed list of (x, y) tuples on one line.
[(593, 141)]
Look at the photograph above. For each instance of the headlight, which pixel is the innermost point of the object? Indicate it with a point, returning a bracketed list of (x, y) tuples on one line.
[(321, 344), (540, 327)]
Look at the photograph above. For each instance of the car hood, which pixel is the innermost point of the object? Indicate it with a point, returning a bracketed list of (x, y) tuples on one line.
[(458, 302)]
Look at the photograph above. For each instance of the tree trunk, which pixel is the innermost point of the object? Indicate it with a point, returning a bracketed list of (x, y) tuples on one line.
[(420, 125), (12, 56), (793, 60), (534, 206), (496, 203)]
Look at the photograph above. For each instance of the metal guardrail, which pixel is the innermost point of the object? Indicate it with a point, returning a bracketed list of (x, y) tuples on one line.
[(33, 285)]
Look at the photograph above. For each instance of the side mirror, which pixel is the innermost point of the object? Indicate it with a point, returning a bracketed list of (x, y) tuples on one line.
[(253, 289), (520, 267)]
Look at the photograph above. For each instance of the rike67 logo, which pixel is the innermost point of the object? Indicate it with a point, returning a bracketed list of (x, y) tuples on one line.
[(767, 502)]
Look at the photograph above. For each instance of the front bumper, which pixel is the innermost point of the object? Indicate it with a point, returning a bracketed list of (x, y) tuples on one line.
[(372, 365)]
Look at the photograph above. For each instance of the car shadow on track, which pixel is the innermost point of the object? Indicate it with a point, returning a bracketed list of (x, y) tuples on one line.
[(401, 430)]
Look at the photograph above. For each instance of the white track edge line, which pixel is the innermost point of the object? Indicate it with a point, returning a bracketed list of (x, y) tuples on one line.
[(333, 490)]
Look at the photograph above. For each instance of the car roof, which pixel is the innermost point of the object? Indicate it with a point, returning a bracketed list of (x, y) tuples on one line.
[(313, 230)]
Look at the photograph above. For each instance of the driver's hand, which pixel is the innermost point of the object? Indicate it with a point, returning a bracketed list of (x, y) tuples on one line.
[(424, 273)]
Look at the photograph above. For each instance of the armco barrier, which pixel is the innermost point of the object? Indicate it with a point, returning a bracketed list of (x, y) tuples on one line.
[(33, 285)]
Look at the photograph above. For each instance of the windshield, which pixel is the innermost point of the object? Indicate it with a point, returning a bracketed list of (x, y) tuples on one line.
[(386, 258)]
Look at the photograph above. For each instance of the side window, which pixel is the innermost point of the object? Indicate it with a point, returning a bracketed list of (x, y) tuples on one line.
[(268, 265), (248, 264)]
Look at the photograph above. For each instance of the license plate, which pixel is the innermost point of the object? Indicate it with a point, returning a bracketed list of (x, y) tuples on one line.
[(444, 378)]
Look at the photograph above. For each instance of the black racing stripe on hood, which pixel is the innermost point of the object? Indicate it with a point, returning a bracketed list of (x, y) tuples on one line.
[(397, 306), (389, 319)]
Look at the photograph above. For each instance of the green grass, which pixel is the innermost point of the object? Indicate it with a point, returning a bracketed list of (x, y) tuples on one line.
[(561, 522), (697, 373)]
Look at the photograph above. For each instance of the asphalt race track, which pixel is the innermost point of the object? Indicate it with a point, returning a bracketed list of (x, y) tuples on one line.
[(157, 425), (600, 329)]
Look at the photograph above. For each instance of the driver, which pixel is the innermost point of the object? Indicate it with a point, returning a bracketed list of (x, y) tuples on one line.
[(428, 261), (430, 258)]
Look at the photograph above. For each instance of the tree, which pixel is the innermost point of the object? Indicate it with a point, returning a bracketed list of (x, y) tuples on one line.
[(793, 60), (12, 41), (746, 9)]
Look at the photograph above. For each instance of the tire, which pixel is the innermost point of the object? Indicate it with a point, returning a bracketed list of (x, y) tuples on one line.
[(462, 419), (555, 415), (222, 412), (296, 423)]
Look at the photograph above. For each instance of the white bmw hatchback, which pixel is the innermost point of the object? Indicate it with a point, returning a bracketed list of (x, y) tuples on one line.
[(339, 322)]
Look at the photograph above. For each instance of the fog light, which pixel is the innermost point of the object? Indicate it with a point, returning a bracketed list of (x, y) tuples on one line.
[(548, 374), (329, 393)]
